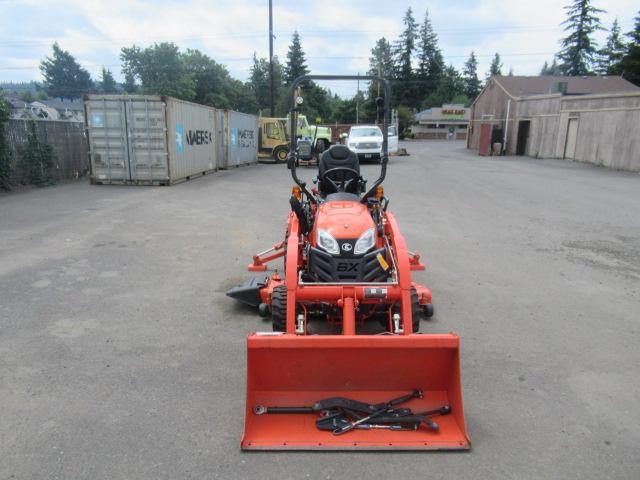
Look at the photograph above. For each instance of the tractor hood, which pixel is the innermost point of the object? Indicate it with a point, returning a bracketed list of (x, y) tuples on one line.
[(344, 219)]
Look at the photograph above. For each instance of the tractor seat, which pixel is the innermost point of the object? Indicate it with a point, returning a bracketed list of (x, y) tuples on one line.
[(334, 157)]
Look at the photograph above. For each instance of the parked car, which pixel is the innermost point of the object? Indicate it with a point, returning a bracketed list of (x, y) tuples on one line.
[(366, 141), (392, 138)]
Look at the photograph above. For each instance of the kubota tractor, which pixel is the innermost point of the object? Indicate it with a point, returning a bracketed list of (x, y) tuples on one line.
[(368, 380)]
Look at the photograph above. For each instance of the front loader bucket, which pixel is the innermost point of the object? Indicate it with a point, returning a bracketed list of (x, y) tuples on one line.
[(290, 371)]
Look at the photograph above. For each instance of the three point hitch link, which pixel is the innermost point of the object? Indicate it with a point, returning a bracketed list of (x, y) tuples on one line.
[(341, 415)]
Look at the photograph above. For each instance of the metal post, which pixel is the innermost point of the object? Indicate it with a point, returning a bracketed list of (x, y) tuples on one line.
[(506, 129), (271, 104), (348, 316)]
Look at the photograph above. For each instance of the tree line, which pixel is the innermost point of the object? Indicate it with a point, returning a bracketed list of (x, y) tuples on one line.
[(413, 63)]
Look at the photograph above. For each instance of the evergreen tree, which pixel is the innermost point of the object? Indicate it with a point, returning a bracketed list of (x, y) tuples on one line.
[(404, 93), (380, 63), (108, 83), (552, 69), (545, 68), (579, 48), (609, 57), (470, 77), (5, 158), (430, 61), (451, 89), (316, 100), (296, 63), (630, 64), (496, 66), (63, 76)]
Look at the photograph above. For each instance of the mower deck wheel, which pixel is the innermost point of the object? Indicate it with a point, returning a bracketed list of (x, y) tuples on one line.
[(415, 310), (427, 310)]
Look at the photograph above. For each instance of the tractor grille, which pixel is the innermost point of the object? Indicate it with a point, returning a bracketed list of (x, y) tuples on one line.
[(327, 268)]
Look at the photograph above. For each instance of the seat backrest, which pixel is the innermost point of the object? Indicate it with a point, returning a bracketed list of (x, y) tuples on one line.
[(334, 157)]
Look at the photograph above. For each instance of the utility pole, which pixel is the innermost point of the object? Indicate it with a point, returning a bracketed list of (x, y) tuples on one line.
[(271, 104), (358, 101), (378, 108)]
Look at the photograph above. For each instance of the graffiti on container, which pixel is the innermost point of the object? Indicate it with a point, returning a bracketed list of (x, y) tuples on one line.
[(192, 137), (241, 138), (199, 137)]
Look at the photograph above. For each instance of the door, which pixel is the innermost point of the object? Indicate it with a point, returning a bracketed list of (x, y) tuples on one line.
[(148, 158), (392, 138), (484, 146), (572, 138), (108, 144), (523, 137)]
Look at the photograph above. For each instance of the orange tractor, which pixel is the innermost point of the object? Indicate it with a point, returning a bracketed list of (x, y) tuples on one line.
[(345, 366)]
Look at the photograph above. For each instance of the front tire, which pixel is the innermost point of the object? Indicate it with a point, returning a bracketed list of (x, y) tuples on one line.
[(279, 308), (280, 154), (415, 312)]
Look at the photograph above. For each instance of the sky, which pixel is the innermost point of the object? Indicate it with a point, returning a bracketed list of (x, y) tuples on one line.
[(337, 36)]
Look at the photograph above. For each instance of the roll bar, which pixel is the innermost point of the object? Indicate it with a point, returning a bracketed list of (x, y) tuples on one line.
[(294, 128)]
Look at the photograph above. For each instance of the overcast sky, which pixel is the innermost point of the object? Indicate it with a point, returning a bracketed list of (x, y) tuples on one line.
[(337, 36)]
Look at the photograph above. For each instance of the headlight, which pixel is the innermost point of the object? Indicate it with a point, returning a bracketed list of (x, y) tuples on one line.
[(352, 145), (327, 242), (365, 242), (379, 145)]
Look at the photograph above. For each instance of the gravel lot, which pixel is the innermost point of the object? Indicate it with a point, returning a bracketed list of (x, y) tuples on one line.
[(121, 357)]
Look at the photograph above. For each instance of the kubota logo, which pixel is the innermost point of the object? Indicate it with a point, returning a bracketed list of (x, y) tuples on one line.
[(347, 247)]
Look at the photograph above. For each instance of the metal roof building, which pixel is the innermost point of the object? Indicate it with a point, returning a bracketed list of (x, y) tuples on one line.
[(590, 119)]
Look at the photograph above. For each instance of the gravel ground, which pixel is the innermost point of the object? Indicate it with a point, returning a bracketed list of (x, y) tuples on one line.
[(121, 357)]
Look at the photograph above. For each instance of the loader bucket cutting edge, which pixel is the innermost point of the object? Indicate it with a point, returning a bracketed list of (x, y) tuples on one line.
[(289, 370)]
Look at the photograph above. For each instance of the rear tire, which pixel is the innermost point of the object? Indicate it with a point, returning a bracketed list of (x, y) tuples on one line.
[(279, 309), (280, 154)]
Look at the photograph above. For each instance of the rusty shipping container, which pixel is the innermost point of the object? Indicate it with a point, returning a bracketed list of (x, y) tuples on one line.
[(149, 140)]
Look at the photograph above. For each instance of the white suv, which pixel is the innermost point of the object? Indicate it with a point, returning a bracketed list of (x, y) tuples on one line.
[(366, 141)]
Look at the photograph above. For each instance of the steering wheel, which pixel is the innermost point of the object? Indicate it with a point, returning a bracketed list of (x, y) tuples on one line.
[(341, 185)]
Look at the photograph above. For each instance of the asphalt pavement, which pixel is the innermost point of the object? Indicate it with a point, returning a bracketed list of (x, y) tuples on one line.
[(121, 357)]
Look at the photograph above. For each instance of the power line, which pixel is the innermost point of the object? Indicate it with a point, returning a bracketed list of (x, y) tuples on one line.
[(315, 33)]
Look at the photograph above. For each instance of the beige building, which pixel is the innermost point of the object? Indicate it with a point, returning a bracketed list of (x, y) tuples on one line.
[(448, 122), (590, 119)]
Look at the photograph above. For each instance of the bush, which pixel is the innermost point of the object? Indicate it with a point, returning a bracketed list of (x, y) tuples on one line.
[(36, 159), (405, 120), (5, 160)]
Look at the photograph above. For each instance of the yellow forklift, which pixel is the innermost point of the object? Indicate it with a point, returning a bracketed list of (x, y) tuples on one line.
[(272, 138)]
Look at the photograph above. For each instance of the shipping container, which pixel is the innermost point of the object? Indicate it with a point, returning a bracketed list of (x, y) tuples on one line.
[(241, 139), (149, 140)]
